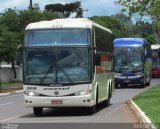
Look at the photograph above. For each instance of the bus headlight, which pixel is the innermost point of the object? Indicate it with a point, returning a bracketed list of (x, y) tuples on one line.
[(139, 74), (31, 93), (84, 92), (118, 74)]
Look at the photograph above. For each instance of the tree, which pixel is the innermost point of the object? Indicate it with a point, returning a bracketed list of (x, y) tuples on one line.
[(142, 27), (123, 19), (148, 37), (144, 8), (12, 26), (29, 16), (112, 24), (10, 36), (8, 44), (126, 22), (65, 10)]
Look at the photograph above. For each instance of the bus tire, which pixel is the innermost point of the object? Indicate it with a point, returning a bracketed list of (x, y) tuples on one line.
[(107, 102), (116, 85), (148, 83), (37, 111), (143, 85), (92, 109)]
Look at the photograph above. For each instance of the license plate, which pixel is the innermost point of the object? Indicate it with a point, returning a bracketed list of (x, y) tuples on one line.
[(126, 81), (57, 102)]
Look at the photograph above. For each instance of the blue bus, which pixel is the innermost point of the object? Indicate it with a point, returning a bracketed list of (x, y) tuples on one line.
[(133, 62)]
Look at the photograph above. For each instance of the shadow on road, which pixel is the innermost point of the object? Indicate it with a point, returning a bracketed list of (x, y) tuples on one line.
[(133, 86), (65, 112)]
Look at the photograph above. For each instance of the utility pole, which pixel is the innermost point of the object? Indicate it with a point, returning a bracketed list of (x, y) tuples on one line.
[(0, 76), (30, 5)]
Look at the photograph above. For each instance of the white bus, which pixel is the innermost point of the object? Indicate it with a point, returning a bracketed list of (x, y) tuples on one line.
[(67, 63)]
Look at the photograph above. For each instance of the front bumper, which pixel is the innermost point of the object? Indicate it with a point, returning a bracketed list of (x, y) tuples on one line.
[(139, 79), (67, 101)]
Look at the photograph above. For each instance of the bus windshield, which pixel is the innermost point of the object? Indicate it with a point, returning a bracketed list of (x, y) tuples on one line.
[(128, 59), (57, 65), (156, 58), (51, 37)]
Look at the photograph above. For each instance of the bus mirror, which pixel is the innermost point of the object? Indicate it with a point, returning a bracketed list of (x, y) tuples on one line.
[(97, 59), (145, 55), (19, 55)]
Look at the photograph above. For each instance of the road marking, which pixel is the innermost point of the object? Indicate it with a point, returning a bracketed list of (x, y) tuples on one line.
[(9, 119), (6, 104)]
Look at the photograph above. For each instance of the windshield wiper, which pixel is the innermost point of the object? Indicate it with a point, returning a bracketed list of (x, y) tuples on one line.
[(61, 68), (47, 72), (50, 68)]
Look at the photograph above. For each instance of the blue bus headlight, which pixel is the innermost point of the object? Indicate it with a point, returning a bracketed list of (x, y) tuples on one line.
[(84, 92), (118, 74), (139, 74), (31, 93)]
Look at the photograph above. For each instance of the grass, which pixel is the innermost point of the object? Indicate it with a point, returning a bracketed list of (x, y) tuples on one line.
[(149, 102), (5, 87)]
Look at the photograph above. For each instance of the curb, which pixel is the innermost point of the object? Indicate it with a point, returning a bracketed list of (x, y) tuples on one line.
[(11, 93), (142, 118)]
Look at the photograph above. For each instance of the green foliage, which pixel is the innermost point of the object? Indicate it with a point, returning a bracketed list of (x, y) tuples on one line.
[(150, 38), (112, 24), (149, 8), (8, 44), (122, 26), (149, 103), (65, 10), (29, 16), (10, 20), (12, 26)]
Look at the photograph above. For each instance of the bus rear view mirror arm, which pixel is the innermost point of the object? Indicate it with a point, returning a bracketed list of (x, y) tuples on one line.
[(97, 59)]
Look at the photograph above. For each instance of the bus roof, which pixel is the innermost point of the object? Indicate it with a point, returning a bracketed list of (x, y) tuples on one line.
[(155, 46), (65, 23), (124, 42)]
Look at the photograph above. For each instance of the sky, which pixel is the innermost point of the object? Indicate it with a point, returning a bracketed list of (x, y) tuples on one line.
[(94, 7)]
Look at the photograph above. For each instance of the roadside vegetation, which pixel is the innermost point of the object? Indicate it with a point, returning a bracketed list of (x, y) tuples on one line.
[(149, 102), (12, 86)]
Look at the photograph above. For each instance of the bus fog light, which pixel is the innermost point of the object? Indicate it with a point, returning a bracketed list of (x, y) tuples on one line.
[(88, 100), (85, 92), (31, 93)]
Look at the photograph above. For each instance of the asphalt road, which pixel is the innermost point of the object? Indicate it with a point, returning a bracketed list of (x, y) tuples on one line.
[(117, 115)]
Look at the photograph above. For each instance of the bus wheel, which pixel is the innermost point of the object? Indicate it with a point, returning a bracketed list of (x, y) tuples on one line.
[(148, 84), (107, 102), (143, 85), (116, 85), (92, 109), (37, 111)]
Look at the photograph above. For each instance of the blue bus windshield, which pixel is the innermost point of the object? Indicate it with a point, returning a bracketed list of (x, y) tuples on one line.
[(128, 58), (57, 37)]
